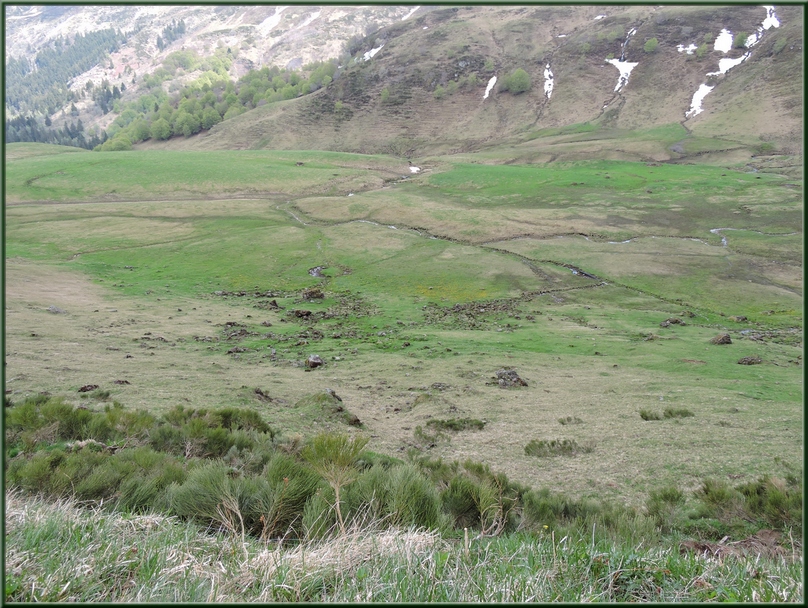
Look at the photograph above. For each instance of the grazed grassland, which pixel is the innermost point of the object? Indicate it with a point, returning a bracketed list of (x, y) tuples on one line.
[(429, 285)]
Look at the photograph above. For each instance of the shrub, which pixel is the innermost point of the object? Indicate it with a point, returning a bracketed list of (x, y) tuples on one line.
[(570, 420), (739, 41), (650, 45), (120, 143), (201, 494), (439, 92), (779, 45), (663, 504), (677, 412), (456, 424), (413, 499), (556, 447), (319, 517), (243, 418), (290, 486), (334, 457), (517, 82), (649, 415), (701, 51)]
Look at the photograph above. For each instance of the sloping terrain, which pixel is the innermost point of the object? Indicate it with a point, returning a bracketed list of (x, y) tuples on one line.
[(388, 103)]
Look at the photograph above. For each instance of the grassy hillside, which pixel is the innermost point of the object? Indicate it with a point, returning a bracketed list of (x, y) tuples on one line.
[(389, 104)]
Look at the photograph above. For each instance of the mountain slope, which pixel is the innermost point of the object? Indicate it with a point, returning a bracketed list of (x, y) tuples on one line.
[(416, 84), (758, 100)]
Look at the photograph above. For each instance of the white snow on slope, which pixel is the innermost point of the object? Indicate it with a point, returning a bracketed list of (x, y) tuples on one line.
[(771, 19), (372, 52), (270, 22), (309, 20), (490, 86), (415, 169), (769, 22), (686, 49), (599, 17), (408, 15), (725, 65), (695, 105), (724, 41), (625, 68), (548, 81)]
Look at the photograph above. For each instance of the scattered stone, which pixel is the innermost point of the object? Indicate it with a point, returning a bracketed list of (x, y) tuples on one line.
[(750, 361), (312, 293), (236, 349), (333, 394), (302, 314), (262, 395), (314, 361), (266, 323), (672, 321), (738, 318), (56, 310), (87, 388), (721, 339), (440, 386), (121, 382), (507, 378)]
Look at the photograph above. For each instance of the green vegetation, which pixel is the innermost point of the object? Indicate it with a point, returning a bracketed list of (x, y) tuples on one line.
[(38, 87), (261, 489), (557, 447), (739, 40), (516, 82), (650, 45)]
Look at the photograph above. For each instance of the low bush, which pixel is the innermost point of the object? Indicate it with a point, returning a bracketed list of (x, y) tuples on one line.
[(456, 424), (677, 412), (556, 447), (649, 415)]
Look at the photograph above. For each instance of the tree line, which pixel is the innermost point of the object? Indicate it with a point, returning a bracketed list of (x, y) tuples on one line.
[(40, 86), (208, 100)]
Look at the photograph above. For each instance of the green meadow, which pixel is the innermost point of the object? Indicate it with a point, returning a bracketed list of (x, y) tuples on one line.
[(563, 272)]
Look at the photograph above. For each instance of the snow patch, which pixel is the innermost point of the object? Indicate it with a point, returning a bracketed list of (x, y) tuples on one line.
[(686, 49), (769, 22), (548, 81), (270, 22), (309, 20), (599, 17), (415, 169), (408, 15), (724, 41), (490, 86), (561, 36), (725, 65), (625, 68), (695, 105), (372, 52), (771, 18)]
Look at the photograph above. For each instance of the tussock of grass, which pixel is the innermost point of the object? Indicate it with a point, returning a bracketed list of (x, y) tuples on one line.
[(677, 412), (456, 424), (649, 415), (543, 448)]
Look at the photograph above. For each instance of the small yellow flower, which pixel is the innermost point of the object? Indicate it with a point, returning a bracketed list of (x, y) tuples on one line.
[(545, 527)]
